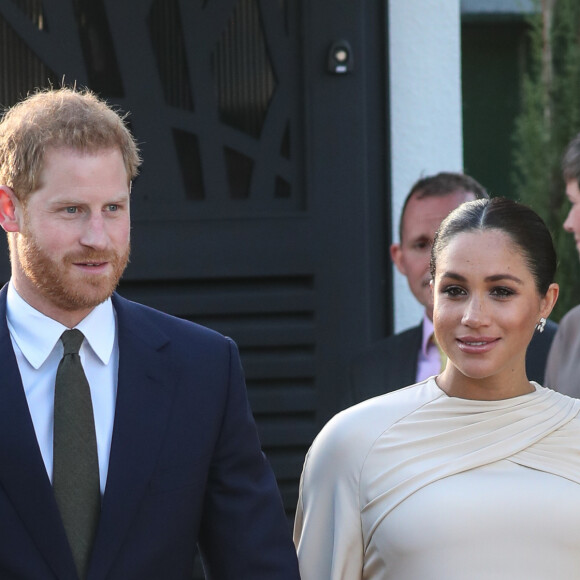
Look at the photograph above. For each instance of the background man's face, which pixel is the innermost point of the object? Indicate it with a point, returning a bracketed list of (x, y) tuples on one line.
[(572, 222), (412, 255)]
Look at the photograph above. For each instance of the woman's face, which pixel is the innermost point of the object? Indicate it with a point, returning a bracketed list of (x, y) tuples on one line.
[(486, 305)]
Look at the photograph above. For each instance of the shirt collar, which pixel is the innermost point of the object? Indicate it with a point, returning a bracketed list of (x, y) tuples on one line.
[(427, 334), (36, 334)]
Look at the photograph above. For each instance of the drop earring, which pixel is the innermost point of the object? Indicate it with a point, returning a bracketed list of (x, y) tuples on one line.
[(541, 325)]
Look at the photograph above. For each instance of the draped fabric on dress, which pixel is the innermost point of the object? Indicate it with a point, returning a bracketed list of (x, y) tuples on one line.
[(452, 435), (373, 457)]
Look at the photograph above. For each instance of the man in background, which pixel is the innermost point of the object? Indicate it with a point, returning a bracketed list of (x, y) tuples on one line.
[(412, 355), (562, 371)]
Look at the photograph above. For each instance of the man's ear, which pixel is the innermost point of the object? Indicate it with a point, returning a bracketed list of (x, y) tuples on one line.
[(397, 257), (9, 210)]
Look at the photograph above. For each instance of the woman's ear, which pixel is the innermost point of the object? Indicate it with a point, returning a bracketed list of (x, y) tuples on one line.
[(9, 210)]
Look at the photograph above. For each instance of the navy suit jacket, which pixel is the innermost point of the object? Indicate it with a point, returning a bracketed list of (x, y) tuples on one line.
[(185, 467), (391, 363)]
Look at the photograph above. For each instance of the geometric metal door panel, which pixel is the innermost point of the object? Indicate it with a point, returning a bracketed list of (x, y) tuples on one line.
[(260, 210)]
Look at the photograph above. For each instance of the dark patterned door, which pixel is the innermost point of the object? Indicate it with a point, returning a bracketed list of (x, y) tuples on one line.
[(261, 207)]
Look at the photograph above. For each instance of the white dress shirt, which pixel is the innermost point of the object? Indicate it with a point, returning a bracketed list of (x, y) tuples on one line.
[(38, 349)]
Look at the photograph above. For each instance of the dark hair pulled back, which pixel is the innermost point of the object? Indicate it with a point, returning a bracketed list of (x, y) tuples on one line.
[(522, 224)]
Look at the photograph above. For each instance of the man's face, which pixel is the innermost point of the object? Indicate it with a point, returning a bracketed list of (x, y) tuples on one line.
[(70, 242), (572, 222), (412, 255)]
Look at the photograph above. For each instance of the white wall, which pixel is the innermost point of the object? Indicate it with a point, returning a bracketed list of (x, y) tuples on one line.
[(425, 115)]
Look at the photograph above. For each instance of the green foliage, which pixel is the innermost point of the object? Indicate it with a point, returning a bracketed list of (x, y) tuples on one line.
[(550, 117)]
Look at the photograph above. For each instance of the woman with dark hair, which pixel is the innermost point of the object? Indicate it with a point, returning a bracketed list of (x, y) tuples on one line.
[(474, 473)]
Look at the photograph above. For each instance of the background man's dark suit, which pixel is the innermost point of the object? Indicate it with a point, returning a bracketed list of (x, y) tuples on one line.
[(392, 363), (185, 462)]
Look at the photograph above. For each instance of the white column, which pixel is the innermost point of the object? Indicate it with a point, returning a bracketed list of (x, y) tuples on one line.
[(425, 109)]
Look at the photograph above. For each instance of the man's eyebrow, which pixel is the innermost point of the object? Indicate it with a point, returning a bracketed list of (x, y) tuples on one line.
[(419, 238), (118, 198)]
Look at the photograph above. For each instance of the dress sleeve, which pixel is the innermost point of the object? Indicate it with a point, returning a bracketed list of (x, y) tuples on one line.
[(327, 530)]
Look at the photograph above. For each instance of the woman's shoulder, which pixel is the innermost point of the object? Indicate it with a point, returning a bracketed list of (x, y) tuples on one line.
[(352, 432), (557, 403)]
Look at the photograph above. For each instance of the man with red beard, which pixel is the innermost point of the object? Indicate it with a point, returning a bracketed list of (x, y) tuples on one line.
[(177, 460)]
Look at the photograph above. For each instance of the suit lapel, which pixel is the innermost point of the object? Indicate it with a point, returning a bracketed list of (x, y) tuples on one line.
[(399, 366), (142, 409), (414, 345), (23, 476)]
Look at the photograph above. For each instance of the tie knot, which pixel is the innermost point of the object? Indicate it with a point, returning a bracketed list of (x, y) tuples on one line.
[(72, 340)]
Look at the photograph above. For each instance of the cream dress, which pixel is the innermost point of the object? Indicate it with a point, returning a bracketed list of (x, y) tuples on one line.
[(416, 485)]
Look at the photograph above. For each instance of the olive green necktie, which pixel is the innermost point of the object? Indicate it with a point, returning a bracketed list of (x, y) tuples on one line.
[(75, 461)]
